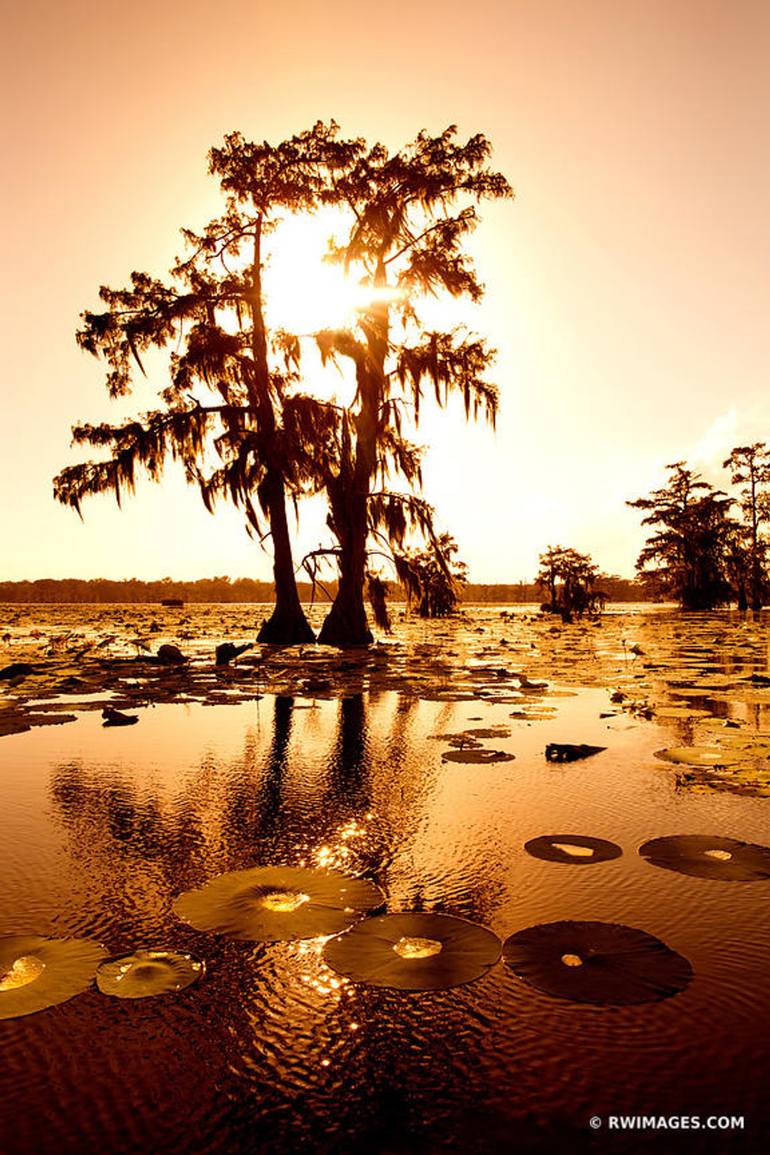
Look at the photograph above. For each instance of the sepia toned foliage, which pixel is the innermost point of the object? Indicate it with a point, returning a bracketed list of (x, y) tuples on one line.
[(411, 212), (432, 578), (749, 467), (230, 392), (569, 578), (687, 556)]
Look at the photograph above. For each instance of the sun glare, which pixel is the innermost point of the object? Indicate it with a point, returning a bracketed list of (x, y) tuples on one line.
[(305, 293)]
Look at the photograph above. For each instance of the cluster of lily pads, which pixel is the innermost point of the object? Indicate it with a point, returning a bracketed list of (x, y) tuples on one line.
[(591, 962)]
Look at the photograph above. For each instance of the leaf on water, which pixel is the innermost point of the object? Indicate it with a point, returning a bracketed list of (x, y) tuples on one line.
[(596, 962), (263, 903), (572, 848), (146, 973), (478, 756), (707, 856), (37, 973), (413, 952)]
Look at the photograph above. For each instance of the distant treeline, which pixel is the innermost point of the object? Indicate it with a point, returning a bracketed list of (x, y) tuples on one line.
[(223, 589)]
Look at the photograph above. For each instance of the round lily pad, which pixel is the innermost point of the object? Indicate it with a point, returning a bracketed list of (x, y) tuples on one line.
[(148, 972), (478, 755), (278, 903), (697, 756), (414, 952), (596, 962), (572, 848), (707, 856), (36, 973)]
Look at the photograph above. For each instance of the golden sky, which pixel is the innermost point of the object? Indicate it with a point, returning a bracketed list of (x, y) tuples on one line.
[(627, 285)]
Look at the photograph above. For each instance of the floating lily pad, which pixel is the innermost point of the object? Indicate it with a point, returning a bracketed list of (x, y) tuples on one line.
[(36, 973), (704, 856), (148, 972), (596, 962), (479, 755), (697, 756), (572, 848), (278, 903), (414, 952)]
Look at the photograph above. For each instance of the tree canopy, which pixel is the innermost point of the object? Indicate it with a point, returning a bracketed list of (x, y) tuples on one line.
[(686, 558)]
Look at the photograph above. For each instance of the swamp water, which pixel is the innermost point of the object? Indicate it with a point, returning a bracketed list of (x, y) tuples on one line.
[(330, 760)]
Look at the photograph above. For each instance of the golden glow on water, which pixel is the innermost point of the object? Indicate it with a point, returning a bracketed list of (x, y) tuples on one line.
[(24, 971), (572, 960), (576, 851), (722, 855), (283, 900), (416, 947)]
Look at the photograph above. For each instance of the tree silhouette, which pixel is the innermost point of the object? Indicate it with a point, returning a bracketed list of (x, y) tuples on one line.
[(411, 212), (687, 557), (568, 577), (230, 388), (432, 578), (749, 467)]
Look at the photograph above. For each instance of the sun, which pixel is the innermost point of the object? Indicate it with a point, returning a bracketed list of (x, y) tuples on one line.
[(303, 292)]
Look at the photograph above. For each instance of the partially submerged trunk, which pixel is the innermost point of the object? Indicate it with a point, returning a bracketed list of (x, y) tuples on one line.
[(346, 624), (287, 625)]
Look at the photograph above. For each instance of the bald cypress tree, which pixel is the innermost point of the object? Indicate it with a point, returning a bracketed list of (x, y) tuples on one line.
[(228, 390), (411, 212), (686, 557)]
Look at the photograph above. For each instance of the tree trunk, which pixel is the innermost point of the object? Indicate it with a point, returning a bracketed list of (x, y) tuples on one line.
[(287, 626), (346, 623)]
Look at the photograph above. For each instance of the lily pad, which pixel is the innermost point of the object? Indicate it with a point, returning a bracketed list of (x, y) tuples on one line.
[(148, 972), (576, 849), (604, 963), (479, 755), (697, 756), (414, 952), (37, 973), (278, 903), (707, 856)]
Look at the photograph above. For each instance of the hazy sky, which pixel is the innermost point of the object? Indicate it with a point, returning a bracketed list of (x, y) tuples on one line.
[(627, 285)]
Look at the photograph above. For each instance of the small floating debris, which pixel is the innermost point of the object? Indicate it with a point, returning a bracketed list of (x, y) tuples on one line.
[(114, 717), (568, 752), (414, 952), (169, 655), (278, 903), (37, 973), (479, 755), (604, 963), (16, 670), (147, 973), (226, 652), (707, 856), (572, 848)]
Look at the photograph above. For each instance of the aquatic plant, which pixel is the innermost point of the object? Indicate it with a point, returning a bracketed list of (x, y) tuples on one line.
[(577, 849), (414, 952), (709, 856), (278, 903), (596, 962), (146, 973), (37, 973)]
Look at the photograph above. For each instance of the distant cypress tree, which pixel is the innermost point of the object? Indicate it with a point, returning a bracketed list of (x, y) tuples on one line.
[(686, 558)]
